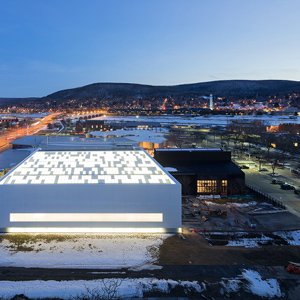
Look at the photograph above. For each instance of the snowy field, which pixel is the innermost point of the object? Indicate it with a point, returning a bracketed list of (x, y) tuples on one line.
[(80, 251), (220, 120), (249, 281)]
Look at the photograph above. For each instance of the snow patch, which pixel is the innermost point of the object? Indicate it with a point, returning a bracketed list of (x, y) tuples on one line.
[(71, 289), (258, 286), (231, 285), (291, 237), (249, 242)]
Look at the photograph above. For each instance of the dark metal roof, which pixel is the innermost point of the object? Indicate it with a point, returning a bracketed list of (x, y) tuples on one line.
[(227, 167), (188, 149)]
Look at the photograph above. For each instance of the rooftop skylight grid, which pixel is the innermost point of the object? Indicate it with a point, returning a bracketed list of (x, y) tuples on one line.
[(88, 167)]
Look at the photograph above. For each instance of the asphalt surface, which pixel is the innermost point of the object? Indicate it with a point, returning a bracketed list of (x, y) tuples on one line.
[(193, 272), (262, 182)]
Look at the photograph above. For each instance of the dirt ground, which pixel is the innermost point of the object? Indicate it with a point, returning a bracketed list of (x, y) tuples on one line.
[(195, 250)]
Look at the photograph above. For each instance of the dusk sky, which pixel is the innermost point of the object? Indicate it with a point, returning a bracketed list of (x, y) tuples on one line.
[(46, 46)]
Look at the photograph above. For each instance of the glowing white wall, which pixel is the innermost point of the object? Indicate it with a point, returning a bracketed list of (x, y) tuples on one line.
[(101, 198)]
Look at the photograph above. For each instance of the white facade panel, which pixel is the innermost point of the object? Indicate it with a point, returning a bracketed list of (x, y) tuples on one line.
[(92, 199)]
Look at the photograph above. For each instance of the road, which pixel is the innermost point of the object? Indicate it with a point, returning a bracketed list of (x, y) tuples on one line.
[(175, 272), (14, 134), (263, 182)]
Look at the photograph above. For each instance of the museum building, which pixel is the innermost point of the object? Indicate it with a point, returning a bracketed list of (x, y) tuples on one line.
[(106, 190)]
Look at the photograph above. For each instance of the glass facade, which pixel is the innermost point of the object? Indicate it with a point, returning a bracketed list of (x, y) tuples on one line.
[(211, 186)]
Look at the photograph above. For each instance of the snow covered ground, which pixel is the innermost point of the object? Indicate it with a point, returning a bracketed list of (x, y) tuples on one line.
[(249, 281), (71, 289), (266, 288), (221, 120), (249, 242), (292, 237), (80, 251)]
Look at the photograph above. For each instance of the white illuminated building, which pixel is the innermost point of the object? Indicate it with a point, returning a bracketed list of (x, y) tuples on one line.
[(90, 191)]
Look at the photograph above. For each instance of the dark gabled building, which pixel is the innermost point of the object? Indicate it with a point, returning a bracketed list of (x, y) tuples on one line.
[(203, 171)]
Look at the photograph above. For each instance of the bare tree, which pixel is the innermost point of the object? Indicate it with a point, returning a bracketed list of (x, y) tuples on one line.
[(274, 165), (177, 139), (107, 290), (260, 158), (269, 139)]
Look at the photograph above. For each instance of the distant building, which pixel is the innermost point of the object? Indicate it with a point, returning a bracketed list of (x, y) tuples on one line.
[(72, 142), (134, 125), (28, 141), (96, 125), (147, 139), (203, 171), (211, 103)]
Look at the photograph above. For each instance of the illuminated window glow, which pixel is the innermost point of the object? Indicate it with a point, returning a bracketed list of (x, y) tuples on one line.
[(86, 217), (88, 167), (206, 186), (224, 186)]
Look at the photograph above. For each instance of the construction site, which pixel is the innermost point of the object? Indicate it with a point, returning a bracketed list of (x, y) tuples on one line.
[(246, 214)]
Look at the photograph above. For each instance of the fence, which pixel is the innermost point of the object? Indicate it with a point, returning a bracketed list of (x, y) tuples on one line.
[(260, 194)]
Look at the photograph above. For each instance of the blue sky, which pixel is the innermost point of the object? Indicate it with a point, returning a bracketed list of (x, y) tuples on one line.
[(47, 46)]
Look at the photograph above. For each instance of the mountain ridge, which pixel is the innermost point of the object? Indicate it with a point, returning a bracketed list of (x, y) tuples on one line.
[(221, 88)]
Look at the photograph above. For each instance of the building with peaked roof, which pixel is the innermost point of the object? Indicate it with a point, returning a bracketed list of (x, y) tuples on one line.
[(203, 171), (90, 190)]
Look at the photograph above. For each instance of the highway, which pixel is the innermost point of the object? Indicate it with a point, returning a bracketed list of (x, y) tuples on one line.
[(14, 134)]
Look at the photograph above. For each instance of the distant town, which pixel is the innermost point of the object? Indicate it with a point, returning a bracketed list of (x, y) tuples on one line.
[(139, 186)]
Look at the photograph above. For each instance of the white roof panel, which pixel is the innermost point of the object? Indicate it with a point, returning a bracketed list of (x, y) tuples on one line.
[(88, 167)]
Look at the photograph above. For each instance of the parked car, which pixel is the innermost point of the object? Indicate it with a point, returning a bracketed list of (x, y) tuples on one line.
[(297, 191), (263, 170), (293, 269), (275, 174), (286, 186), (244, 167), (277, 181)]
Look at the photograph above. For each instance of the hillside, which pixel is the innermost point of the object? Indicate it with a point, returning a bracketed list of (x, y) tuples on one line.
[(242, 88), (4, 101), (224, 88), (227, 88)]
